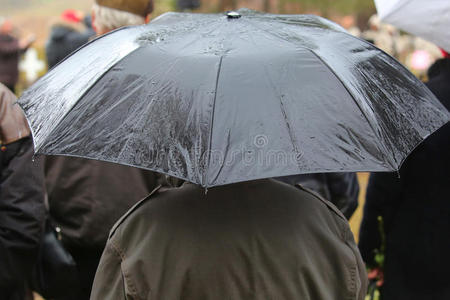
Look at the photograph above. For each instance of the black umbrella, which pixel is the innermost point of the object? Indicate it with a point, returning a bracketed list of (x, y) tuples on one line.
[(216, 99)]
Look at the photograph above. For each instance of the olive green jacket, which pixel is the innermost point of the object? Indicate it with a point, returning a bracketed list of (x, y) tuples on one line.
[(260, 240)]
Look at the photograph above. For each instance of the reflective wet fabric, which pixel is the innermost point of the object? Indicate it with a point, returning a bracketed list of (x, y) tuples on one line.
[(216, 100)]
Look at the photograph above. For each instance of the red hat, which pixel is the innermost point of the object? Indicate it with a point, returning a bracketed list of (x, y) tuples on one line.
[(71, 15), (445, 53)]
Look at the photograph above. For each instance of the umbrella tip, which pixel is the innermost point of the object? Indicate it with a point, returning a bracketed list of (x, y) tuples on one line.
[(233, 15)]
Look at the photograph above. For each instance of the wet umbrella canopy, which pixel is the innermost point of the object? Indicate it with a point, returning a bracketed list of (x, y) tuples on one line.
[(217, 99)]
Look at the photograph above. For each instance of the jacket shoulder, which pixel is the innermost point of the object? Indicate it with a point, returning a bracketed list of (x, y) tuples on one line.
[(330, 205), (131, 210)]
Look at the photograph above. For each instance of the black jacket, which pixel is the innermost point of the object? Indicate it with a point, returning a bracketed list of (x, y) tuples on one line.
[(63, 40), (341, 189), (86, 197), (22, 215), (416, 213)]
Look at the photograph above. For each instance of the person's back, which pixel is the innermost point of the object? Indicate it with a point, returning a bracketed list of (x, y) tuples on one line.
[(22, 209), (86, 197), (253, 240), (10, 50), (424, 211), (439, 78)]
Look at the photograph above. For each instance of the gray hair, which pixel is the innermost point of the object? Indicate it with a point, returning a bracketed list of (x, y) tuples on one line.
[(107, 19)]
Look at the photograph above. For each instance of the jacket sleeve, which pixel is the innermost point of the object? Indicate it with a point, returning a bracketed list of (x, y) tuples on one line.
[(382, 192), (22, 212), (109, 283)]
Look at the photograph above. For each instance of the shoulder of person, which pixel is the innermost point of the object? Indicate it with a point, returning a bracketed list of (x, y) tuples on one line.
[(327, 203), (133, 209), (341, 221)]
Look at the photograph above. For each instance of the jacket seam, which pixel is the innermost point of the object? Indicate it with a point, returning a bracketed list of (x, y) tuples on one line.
[(130, 211), (127, 278), (327, 203), (353, 274)]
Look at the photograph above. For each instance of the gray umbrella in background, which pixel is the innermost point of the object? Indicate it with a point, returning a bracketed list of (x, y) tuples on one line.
[(216, 99), (428, 19)]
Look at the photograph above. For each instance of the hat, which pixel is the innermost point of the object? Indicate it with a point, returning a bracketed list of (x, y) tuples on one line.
[(137, 7), (72, 16), (445, 53)]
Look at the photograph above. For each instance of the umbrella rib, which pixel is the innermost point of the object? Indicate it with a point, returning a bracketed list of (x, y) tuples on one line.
[(224, 155), (212, 119), (357, 104), (340, 80), (268, 31), (285, 117)]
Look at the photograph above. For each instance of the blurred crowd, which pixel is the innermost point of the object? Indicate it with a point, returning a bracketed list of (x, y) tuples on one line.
[(414, 52), (76, 202)]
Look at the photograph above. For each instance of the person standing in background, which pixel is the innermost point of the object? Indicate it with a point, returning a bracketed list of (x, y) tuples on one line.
[(10, 50), (22, 207), (69, 32), (86, 197), (415, 210)]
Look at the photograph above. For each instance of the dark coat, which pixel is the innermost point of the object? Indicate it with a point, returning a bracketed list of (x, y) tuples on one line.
[(253, 240), (86, 197), (416, 213), (22, 216), (341, 189), (439, 83), (9, 60), (22, 209), (64, 39)]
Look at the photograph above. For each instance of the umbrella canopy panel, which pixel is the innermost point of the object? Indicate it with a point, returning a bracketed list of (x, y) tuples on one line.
[(48, 100), (215, 100)]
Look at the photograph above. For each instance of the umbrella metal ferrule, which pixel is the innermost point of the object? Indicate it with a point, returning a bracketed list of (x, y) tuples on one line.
[(233, 15)]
